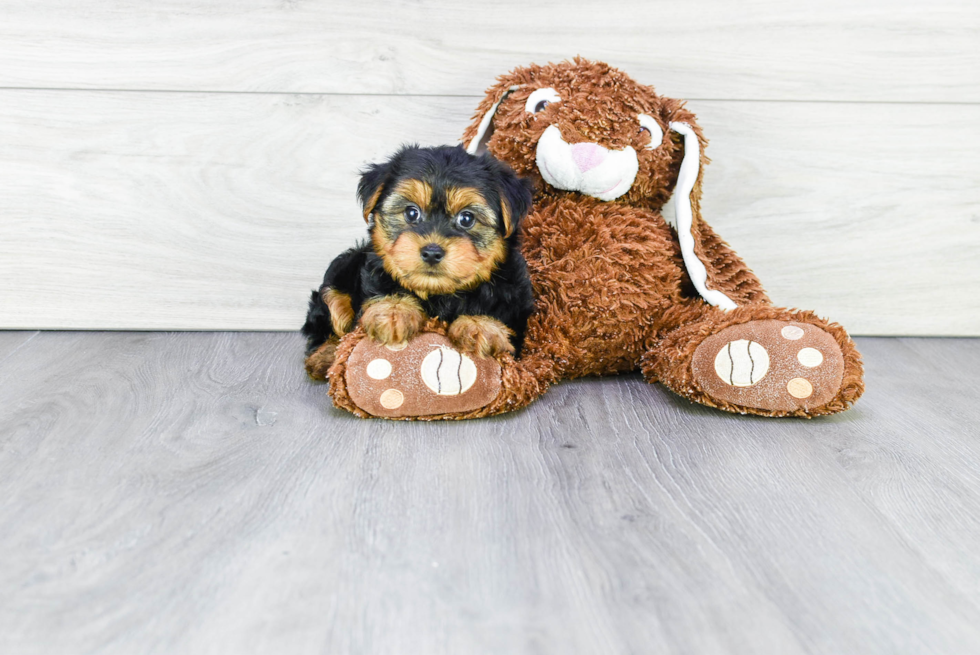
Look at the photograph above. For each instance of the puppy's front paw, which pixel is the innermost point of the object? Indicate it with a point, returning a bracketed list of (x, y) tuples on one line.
[(481, 335), (393, 319)]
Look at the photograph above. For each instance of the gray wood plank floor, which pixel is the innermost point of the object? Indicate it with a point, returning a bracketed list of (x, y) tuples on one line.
[(195, 493)]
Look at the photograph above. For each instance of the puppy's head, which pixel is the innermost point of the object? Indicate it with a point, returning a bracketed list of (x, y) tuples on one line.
[(442, 220)]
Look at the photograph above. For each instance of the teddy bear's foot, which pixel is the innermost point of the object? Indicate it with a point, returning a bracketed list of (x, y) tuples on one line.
[(760, 360), (429, 379), (777, 366), (425, 377)]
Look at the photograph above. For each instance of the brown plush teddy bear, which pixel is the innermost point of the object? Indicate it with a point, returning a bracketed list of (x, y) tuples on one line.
[(617, 288)]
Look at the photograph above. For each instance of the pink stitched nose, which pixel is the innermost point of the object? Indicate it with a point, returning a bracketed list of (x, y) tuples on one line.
[(588, 155)]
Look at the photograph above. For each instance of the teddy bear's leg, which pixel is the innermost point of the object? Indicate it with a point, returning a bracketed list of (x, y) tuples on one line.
[(757, 359), (428, 379)]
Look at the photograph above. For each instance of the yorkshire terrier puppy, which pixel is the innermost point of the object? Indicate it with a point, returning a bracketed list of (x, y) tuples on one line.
[(443, 243)]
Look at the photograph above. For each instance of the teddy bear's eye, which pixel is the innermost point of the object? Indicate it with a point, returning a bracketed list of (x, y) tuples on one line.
[(652, 127), (540, 99)]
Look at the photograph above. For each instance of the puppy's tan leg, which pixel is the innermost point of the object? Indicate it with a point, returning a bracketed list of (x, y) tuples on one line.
[(393, 319), (341, 311), (319, 361), (481, 335)]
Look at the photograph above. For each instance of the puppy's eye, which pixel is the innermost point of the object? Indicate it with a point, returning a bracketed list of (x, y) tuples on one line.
[(649, 125), (540, 99), (465, 220), (412, 214)]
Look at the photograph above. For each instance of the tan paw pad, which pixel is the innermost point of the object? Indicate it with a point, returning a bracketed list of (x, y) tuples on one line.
[(391, 399), (799, 388)]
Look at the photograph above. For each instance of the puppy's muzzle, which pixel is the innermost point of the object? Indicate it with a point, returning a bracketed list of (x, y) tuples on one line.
[(432, 254)]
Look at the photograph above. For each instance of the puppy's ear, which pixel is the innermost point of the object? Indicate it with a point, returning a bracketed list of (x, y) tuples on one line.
[(370, 187), (374, 179), (515, 199)]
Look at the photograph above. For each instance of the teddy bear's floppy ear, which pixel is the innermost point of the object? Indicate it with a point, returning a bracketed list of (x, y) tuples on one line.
[(687, 208), (479, 132)]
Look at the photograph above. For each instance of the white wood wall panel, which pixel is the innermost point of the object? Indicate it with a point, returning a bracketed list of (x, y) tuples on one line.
[(191, 163), (197, 211), (220, 211), (853, 50)]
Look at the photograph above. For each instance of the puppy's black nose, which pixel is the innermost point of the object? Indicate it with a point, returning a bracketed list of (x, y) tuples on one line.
[(432, 254)]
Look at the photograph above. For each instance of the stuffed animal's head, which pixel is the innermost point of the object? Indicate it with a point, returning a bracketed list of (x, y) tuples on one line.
[(587, 127), (441, 219)]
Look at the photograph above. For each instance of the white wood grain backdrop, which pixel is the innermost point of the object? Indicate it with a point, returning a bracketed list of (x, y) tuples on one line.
[(191, 164)]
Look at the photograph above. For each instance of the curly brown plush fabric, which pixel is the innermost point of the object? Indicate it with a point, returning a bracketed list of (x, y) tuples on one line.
[(613, 292)]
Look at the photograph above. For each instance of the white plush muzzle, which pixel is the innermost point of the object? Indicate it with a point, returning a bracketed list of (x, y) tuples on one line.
[(585, 167)]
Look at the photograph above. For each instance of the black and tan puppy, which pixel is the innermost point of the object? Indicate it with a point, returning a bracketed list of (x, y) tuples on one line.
[(443, 244)]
